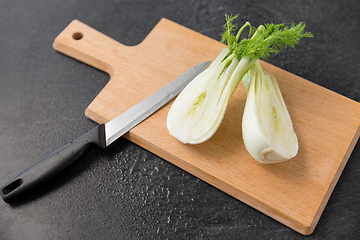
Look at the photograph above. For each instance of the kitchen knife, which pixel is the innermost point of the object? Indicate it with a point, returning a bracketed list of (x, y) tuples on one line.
[(99, 137)]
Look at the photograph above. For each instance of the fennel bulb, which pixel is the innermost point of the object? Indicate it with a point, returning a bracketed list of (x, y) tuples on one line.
[(197, 112), (267, 128)]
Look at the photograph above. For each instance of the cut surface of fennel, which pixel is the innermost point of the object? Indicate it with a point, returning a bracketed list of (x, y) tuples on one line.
[(197, 112), (267, 128)]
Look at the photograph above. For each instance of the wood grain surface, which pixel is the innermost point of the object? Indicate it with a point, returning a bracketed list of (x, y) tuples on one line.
[(294, 192)]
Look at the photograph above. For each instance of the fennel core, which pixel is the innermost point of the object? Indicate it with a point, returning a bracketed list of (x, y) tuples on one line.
[(197, 112)]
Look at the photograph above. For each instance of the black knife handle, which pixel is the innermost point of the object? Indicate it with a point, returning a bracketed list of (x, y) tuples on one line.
[(46, 168)]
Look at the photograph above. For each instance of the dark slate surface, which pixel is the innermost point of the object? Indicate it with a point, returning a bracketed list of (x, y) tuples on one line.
[(126, 192)]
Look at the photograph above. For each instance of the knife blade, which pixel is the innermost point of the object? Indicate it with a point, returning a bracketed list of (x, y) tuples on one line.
[(99, 137)]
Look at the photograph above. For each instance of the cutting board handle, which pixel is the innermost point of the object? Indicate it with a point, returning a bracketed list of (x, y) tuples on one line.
[(88, 45)]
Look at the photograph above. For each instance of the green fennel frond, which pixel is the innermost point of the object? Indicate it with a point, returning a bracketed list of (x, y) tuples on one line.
[(262, 41), (227, 36)]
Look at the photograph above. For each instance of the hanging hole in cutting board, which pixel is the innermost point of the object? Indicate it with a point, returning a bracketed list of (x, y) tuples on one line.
[(78, 36)]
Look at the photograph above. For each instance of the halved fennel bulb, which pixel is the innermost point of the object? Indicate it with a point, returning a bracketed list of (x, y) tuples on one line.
[(197, 112), (267, 128)]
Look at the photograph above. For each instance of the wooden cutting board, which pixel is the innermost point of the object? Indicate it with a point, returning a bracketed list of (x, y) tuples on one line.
[(294, 192)]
